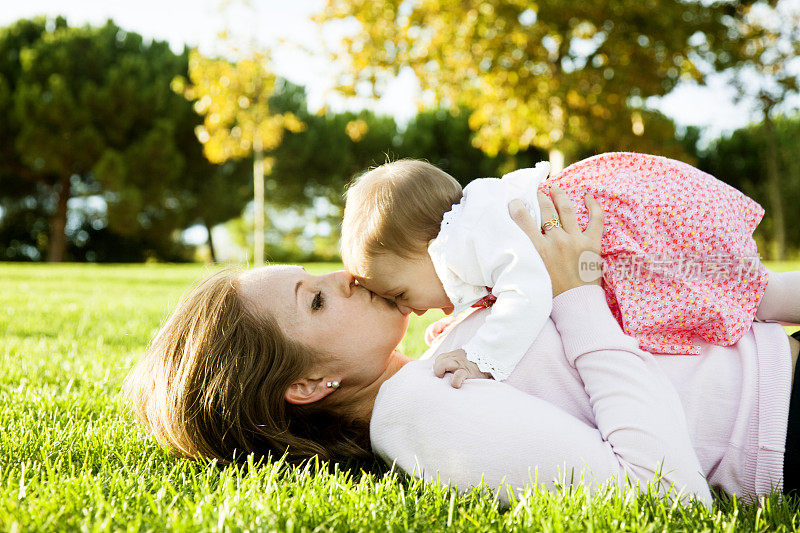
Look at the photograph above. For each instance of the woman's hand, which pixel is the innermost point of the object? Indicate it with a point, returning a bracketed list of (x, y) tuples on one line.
[(572, 256)]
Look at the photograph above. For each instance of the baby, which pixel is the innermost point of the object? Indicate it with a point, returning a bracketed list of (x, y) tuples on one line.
[(411, 235)]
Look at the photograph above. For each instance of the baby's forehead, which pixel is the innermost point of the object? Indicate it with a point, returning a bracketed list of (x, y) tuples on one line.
[(380, 266), (379, 282), (375, 284)]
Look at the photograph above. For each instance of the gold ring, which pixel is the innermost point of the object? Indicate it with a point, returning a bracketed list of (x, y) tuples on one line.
[(552, 223)]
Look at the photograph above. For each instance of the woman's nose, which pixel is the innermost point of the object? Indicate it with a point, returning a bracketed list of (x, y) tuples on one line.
[(344, 281)]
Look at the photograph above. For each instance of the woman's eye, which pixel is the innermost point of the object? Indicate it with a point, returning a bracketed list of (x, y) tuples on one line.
[(318, 301)]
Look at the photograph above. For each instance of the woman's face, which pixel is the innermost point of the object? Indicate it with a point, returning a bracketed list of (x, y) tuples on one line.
[(328, 313)]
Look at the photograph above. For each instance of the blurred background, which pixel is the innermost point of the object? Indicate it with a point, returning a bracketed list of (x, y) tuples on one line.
[(210, 130)]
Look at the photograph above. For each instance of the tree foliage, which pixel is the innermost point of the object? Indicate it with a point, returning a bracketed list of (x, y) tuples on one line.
[(769, 70), (321, 160), (90, 112), (740, 160), (553, 75), (332, 147), (769, 47), (234, 99), (91, 108)]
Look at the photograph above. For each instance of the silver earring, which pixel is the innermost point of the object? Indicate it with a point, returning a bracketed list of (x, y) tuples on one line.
[(332, 384)]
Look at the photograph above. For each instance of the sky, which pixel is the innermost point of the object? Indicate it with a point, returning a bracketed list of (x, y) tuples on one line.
[(283, 25), (297, 45)]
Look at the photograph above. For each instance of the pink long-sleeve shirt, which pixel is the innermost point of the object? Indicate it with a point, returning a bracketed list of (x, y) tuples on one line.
[(585, 399)]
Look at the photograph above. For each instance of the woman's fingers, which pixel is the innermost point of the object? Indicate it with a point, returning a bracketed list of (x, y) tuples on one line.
[(546, 207), (594, 229), (522, 218), (561, 249), (566, 212)]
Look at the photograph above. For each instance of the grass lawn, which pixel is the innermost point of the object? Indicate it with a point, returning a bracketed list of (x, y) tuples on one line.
[(70, 458)]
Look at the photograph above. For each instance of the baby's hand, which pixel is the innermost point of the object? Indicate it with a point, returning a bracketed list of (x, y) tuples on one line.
[(461, 367)]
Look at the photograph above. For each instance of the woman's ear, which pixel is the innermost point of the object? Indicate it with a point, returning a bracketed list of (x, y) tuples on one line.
[(305, 391)]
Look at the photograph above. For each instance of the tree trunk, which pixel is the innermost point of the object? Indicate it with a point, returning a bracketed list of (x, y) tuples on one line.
[(58, 223), (211, 243), (258, 194), (556, 161), (774, 192)]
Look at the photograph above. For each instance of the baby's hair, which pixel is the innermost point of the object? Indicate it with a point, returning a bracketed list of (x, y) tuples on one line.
[(394, 208)]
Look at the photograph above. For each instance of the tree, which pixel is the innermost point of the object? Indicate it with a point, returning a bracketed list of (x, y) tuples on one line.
[(334, 147), (321, 159), (768, 72), (444, 139), (24, 220), (234, 99), (738, 159), (219, 196), (210, 194), (92, 108), (553, 75), (310, 171), (24, 192)]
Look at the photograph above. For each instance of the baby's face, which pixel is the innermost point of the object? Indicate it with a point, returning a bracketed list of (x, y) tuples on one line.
[(411, 283)]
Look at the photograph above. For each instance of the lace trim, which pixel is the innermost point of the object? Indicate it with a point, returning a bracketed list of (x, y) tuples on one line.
[(490, 365), (454, 213)]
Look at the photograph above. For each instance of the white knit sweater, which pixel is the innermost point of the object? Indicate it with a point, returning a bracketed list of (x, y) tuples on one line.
[(585, 400)]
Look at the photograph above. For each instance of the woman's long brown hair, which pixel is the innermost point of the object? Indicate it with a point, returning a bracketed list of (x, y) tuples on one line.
[(212, 384)]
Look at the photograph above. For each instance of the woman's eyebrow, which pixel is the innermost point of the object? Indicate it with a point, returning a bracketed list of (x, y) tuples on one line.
[(296, 289)]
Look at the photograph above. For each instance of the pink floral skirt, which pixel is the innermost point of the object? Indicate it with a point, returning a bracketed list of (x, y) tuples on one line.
[(679, 258)]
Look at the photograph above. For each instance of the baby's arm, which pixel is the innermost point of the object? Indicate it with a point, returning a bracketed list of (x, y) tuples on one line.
[(514, 321), (522, 307), (781, 300), (486, 248), (520, 281)]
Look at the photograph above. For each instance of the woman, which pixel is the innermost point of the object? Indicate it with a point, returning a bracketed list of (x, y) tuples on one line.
[(276, 359)]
